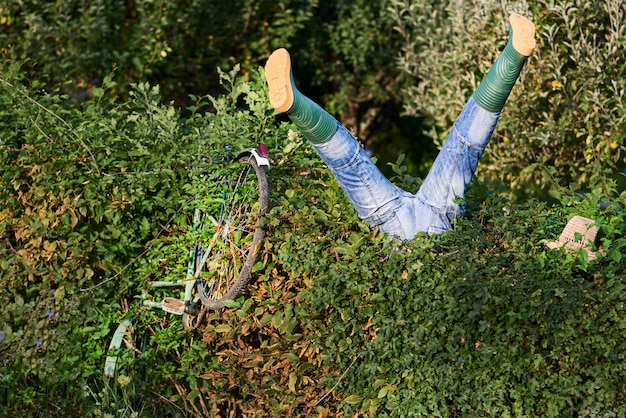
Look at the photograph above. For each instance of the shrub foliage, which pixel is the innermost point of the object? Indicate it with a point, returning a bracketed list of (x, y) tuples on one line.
[(564, 121), (99, 176), (340, 320), (365, 60)]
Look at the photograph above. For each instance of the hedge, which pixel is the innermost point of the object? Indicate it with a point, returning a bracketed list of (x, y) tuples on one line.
[(340, 321)]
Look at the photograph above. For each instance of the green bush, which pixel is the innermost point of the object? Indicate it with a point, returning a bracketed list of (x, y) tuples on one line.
[(564, 121), (364, 61), (341, 320), (177, 44), (85, 191), (344, 54), (482, 321)]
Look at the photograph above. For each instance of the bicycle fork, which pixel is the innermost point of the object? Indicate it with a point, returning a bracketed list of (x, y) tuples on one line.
[(173, 305)]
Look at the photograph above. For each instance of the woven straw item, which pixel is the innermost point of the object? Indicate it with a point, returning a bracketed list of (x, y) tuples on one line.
[(568, 241)]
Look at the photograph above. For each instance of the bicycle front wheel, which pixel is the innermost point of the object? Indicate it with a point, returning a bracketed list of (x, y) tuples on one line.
[(224, 261)]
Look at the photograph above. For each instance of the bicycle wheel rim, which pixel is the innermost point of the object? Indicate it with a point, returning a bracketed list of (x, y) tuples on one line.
[(225, 262)]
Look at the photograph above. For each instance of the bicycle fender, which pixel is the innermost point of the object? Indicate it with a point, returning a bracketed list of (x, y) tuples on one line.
[(260, 160), (116, 343)]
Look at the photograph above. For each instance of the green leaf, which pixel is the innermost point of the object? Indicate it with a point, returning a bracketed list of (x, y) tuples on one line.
[(353, 399), (231, 303), (193, 394), (223, 328), (293, 379)]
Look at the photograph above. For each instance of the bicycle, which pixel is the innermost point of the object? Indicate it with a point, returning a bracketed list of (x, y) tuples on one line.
[(220, 264)]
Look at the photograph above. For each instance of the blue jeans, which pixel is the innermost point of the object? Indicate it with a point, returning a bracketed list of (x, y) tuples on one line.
[(439, 199)]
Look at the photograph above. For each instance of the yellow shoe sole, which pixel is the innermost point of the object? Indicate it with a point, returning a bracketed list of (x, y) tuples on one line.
[(278, 76), (523, 34)]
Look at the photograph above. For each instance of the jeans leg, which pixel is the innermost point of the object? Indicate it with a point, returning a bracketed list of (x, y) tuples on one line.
[(456, 163), (372, 195)]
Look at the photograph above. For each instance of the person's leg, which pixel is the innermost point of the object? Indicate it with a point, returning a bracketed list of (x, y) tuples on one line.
[(444, 188), (314, 122), (375, 199)]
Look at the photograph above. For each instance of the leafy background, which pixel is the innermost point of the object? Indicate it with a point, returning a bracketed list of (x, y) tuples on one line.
[(103, 117)]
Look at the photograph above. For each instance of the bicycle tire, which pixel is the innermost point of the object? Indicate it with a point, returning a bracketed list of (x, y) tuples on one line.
[(224, 264)]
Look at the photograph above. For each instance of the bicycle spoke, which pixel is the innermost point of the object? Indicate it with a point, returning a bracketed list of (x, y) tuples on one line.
[(236, 234)]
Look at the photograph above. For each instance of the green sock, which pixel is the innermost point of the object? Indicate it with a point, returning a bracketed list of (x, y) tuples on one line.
[(495, 88)]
